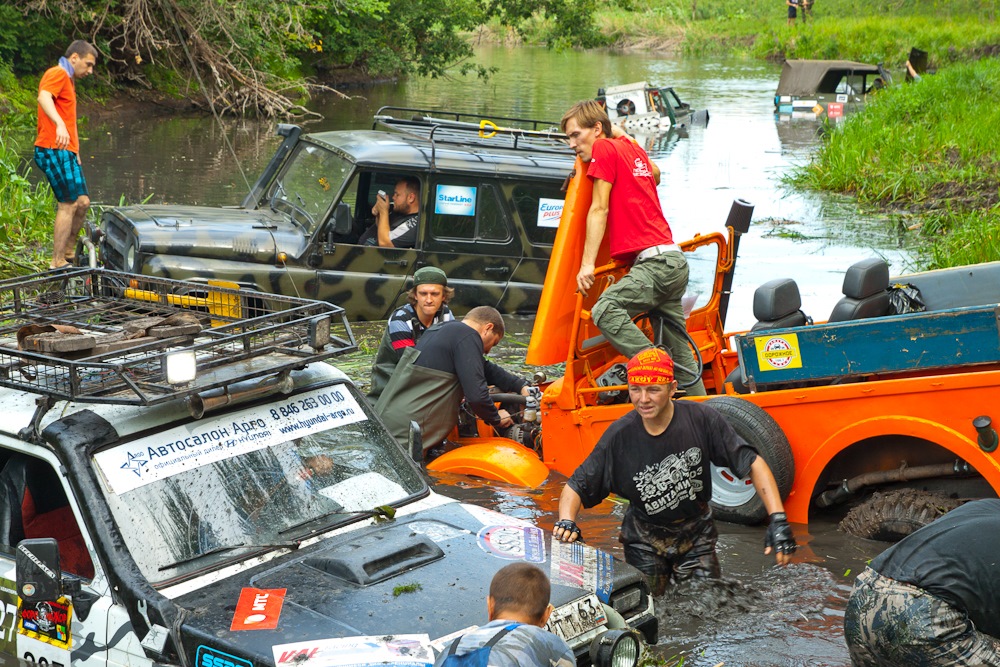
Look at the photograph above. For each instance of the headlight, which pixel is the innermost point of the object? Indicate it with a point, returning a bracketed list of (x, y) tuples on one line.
[(130, 258), (615, 648)]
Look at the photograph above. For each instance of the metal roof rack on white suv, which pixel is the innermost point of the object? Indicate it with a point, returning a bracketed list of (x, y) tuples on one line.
[(99, 336)]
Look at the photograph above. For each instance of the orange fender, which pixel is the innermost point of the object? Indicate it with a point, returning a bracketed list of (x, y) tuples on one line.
[(494, 458)]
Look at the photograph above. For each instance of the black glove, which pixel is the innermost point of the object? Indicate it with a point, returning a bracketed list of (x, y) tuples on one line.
[(570, 527), (779, 534)]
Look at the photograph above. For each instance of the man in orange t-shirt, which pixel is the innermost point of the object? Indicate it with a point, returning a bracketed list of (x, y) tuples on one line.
[(57, 147)]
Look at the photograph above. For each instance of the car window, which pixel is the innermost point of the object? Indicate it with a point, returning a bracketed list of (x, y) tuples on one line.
[(195, 495), (467, 210), (306, 188), (37, 506), (539, 206)]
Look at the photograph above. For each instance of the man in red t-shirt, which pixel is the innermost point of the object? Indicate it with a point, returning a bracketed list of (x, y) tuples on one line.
[(625, 204), (57, 146)]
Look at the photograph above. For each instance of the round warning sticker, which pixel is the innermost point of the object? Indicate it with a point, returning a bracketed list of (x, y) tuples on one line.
[(513, 542), (778, 352)]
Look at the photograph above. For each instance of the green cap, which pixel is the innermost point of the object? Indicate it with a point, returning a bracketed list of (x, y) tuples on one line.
[(430, 275)]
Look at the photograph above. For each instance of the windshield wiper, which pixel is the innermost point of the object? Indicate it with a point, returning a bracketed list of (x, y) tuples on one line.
[(230, 547), (382, 513)]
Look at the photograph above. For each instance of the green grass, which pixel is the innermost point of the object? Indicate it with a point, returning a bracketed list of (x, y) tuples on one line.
[(27, 212), (928, 150), (850, 29)]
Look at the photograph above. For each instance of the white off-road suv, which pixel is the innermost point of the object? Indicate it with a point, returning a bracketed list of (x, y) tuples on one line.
[(185, 481)]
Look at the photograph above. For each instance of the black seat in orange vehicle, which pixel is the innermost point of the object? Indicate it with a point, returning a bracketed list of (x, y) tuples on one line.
[(33, 504), (865, 291), (777, 304)]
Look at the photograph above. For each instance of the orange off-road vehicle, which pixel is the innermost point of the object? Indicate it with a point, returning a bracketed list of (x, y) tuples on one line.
[(864, 400)]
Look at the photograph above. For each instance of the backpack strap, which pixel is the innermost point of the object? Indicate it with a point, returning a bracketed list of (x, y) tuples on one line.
[(489, 645), (500, 635)]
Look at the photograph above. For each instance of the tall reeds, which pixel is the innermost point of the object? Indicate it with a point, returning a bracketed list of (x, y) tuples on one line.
[(27, 211)]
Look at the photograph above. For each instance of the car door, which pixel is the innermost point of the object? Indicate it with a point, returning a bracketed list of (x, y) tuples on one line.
[(55, 632), (470, 237), (368, 281), (538, 206)]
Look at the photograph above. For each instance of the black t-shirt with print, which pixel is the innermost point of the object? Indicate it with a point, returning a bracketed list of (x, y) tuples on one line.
[(666, 477)]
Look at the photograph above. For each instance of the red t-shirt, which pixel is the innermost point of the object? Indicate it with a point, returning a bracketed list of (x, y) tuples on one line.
[(58, 82), (635, 219)]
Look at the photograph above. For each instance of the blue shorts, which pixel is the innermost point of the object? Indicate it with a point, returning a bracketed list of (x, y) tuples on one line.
[(63, 173)]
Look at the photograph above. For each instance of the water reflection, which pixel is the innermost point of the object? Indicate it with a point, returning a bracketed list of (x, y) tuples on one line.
[(744, 152)]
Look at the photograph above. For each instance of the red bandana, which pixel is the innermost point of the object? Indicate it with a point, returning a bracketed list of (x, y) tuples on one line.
[(652, 366)]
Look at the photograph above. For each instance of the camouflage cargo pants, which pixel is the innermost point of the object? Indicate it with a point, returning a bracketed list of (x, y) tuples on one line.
[(668, 554), (657, 283), (889, 623)]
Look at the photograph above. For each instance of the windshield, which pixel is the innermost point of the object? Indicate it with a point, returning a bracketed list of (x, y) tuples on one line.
[(305, 190), (192, 496)]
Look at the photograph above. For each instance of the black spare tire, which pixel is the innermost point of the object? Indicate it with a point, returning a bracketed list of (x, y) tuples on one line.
[(735, 499), (892, 515)]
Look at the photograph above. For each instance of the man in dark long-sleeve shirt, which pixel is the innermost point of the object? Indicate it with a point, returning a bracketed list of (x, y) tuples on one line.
[(446, 365)]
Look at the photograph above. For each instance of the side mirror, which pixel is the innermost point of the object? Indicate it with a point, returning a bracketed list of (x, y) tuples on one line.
[(342, 222), (416, 442), (39, 577)]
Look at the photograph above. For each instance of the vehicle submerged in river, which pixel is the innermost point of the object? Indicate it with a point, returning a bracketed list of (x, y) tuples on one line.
[(863, 400), (830, 88)]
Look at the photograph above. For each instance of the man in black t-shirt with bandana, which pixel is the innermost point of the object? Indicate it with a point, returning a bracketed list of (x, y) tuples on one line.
[(658, 458)]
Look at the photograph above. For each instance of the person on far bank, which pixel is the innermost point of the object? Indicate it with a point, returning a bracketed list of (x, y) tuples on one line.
[(395, 226), (658, 458), (792, 13), (57, 147), (427, 305), (518, 608), (626, 206)]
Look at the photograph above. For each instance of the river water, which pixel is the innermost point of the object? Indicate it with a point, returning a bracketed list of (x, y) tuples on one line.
[(760, 614)]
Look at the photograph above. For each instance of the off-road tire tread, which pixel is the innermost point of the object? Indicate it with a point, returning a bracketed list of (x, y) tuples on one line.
[(892, 515)]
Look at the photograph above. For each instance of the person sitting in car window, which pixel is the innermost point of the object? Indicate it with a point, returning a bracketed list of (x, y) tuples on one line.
[(396, 224)]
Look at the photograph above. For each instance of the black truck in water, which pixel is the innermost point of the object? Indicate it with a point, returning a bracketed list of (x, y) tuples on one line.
[(187, 482)]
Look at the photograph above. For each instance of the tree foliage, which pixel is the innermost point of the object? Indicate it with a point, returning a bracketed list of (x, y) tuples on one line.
[(262, 56)]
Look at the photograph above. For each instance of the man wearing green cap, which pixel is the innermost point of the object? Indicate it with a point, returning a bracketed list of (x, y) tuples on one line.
[(428, 305)]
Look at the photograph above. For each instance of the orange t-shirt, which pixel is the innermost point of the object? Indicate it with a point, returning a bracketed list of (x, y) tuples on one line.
[(58, 82)]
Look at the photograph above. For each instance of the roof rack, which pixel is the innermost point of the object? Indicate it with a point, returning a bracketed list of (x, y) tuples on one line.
[(522, 134), (122, 327)]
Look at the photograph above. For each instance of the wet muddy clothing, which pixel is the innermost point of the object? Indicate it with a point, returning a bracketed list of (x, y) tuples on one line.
[(402, 231), (667, 480), (524, 646), (639, 234), (402, 331), (934, 597), (889, 623), (679, 551), (432, 378)]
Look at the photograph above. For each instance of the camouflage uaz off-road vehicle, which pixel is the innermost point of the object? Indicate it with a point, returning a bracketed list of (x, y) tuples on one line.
[(490, 201)]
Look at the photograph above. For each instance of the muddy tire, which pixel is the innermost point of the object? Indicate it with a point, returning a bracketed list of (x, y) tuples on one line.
[(893, 515), (734, 499)]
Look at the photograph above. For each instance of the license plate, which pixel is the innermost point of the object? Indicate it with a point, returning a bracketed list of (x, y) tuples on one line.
[(577, 618)]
